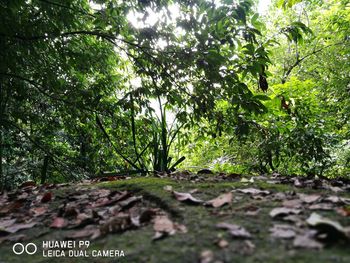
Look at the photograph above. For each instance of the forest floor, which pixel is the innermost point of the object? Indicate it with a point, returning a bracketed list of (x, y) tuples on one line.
[(182, 217)]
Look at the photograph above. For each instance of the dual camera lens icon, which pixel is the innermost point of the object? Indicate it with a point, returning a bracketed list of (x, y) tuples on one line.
[(29, 248)]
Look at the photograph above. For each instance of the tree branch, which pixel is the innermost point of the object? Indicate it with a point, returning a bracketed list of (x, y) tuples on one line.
[(299, 60)]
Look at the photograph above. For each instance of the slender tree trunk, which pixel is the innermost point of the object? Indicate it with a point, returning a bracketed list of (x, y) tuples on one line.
[(44, 169), (2, 179)]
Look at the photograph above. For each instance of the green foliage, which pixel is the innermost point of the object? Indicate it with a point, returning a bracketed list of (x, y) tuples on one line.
[(132, 85), (78, 81)]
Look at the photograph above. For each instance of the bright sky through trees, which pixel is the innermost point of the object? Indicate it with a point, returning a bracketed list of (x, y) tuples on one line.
[(263, 6)]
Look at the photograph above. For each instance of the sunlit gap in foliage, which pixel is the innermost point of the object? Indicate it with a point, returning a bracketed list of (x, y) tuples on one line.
[(263, 6)]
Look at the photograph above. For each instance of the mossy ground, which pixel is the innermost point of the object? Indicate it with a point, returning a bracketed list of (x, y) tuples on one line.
[(200, 221)]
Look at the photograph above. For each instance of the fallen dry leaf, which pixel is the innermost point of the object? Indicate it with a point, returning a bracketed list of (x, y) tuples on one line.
[(245, 180), (38, 211), (309, 198), (46, 197), (344, 211), (16, 227), (163, 226), (282, 231), (186, 197), (28, 184), (251, 210), (86, 232), (119, 223), (304, 241), (221, 200), (129, 201), (14, 238), (222, 243), (321, 206), (336, 189), (254, 191), (283, 211), (279, 196), (333, 199), (11, 207), (6, 223), (294, 203), (332, 228), (235, 230), (298, 183), (168, 188), (23, 195), (206, 256), (58, 222)]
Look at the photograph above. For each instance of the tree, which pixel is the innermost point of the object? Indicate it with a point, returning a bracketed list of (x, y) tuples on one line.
[(66, 71)]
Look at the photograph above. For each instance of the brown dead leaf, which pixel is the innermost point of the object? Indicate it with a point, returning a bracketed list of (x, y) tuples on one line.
[(344, 211), (83, 219), (309, 198), (251, 210), (332, 229), (88, 231), (221, 200), (116, 224), (28, 184), (104, 201), (14, 238), (168, 188), (46, 197), (164, 224), (279, 196), (336, 189), (127, 202), (254, 191), (38, 211), (294, 203), (11, 207), (321, 206), (282, 231), (101, 193), (283, 211), (207, 256), (306, 241), (298, 183), (58, 222), (222, 243), (16, 227), (186, 197), (22, 196), (7, 223), (235, 230), (337, 200)]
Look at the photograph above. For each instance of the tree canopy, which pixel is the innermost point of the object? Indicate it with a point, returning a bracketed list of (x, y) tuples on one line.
[(88, 87)]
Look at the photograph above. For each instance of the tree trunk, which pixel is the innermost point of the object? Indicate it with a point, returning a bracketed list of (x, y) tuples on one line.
[(2, 179), (44, 169)]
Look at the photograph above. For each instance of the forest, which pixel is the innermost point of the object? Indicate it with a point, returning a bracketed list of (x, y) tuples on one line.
[(148, 105)]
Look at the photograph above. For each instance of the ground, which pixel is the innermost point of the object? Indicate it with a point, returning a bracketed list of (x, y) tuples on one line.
[(196, 236)]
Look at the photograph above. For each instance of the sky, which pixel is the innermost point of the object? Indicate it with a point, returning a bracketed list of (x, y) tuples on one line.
[(263, 6)]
